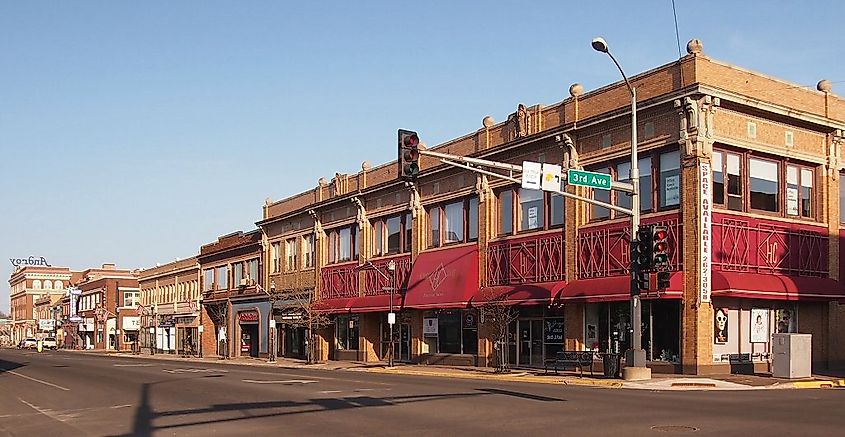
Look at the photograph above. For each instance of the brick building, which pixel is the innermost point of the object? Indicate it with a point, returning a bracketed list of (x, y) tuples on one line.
[(742, 168), (108, 305), (233, 297), (27, 284), (171, 307)]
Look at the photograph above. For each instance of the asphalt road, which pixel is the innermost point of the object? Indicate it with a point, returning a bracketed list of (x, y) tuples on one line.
[(73, 394)]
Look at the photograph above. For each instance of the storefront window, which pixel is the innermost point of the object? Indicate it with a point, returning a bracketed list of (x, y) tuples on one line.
[(450, 332), (347, 332)]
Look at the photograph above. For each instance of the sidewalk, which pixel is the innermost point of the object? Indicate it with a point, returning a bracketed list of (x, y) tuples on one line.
[(657, 382)]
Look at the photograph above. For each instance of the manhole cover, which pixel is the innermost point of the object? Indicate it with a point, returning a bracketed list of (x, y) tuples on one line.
[(674, 428)]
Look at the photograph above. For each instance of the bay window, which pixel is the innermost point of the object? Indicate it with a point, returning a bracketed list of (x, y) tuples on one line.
[(343, 245), (392, 235), (799, 191), (308, 251), (669, 190), (536, 210), (454, 222), (764, 180)]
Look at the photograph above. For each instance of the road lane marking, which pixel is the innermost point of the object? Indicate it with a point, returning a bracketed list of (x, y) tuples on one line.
[(193, 371), (286, 381), (38, 380), (328, 392), (132, 365)]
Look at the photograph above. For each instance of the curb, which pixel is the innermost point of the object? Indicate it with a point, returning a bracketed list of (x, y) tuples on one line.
[(818, 384), (510, 378)]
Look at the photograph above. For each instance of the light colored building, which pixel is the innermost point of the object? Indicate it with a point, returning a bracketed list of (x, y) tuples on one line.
[(27, 284), (170, 307)]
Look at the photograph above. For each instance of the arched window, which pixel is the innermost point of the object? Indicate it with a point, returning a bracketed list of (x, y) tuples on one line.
[(36, 284), (48, 285), (58, 285)]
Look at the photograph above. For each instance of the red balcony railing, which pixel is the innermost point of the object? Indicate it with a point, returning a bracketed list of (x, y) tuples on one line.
[(536, 258)]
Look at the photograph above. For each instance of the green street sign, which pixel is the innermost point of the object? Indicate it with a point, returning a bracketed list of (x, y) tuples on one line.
[(588, 179)]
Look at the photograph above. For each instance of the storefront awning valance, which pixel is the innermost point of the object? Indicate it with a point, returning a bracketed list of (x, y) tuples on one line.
[(615, 288), (775, 287), (362, 304), (446, 278), (525, 294)]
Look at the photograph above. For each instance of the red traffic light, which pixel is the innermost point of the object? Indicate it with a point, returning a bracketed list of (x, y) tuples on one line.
[(411, 140), (660, 235), (411, 155)]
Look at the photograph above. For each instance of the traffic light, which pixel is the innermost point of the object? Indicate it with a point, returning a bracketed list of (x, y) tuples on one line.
[(640, 259), (660, 246), (662, 280), (409, 155)]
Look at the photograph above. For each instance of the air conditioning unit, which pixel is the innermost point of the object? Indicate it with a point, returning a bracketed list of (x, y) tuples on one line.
[(244, 282)]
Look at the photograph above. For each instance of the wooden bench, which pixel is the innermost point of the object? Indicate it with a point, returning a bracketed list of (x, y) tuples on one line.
[(564, 359)]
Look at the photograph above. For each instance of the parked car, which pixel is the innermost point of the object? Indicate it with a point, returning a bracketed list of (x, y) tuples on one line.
[(49, 343), (28, 343)]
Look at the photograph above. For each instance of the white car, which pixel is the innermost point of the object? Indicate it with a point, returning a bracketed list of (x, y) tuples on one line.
[(49, 343), (28, 343)]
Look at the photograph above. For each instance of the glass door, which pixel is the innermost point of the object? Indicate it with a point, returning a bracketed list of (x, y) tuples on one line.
[(404, 342), (536, 343), (524, 343)]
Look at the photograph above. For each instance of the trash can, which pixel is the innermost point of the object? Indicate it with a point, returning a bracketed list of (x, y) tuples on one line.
[(610, 363)]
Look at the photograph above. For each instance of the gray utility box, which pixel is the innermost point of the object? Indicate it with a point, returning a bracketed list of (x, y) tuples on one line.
[(792, 355)]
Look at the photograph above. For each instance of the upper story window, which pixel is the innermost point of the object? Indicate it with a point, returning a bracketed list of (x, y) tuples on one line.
[(764, 184), (308, 251), (208, 280), (275, 258), (665, 168), (222, 277), (753, 183), (392, 235), (841, 197), (291, 253), (252, 269), (453, 222), (238, 274), (727, 180), (799, 191), (343, 244), (131, 299), (528, 210)]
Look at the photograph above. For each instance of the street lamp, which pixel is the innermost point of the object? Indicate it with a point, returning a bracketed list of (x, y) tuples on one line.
[(272, 298), (634, 357), (391, 316)]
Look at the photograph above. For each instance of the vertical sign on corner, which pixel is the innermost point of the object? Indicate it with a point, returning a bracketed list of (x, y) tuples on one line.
[(705, 212)]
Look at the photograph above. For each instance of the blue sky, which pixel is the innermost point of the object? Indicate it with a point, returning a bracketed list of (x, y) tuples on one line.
[(134, 132)]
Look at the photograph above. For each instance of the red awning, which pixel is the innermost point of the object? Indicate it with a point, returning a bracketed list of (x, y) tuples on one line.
[(446, 278), (616, 288), (362, 304), (525, 294), (335, 306), (776, 287)]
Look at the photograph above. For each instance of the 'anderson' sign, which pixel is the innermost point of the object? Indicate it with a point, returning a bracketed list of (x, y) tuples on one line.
[(30, 261)]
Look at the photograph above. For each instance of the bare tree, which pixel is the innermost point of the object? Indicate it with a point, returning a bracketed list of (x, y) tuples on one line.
[(496, 317), (306, 312), (219, 312)]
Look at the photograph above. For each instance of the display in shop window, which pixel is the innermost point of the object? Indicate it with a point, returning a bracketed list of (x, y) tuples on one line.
[(554, 331), (720, 326), (759, 325), (785, 321)]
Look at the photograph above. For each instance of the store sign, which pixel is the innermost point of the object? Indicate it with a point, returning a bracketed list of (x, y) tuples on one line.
[(554, 331), (430, 327), (248, 317), (532, 175), (74, 294), (46, 324), (30, 261), (131, 323), (705, 212)]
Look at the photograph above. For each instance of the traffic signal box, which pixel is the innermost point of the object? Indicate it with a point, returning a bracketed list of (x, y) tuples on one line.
[(650, 254), (409, 155)]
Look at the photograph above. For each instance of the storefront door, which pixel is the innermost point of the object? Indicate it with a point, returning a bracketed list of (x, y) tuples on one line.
[(404, 351), (530, 342)]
